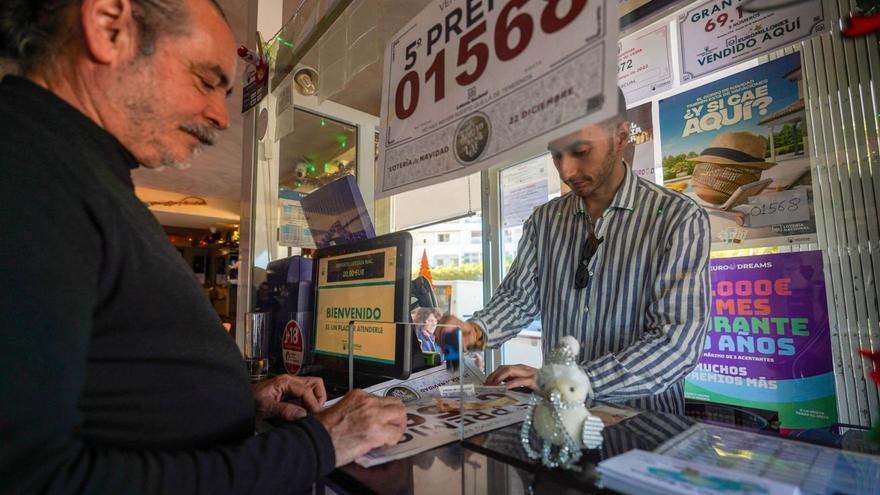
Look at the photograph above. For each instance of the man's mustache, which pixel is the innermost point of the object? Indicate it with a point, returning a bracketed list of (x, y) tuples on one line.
[(206, 135)]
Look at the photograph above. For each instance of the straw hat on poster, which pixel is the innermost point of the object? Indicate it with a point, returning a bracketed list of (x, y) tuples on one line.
[(728, 172)]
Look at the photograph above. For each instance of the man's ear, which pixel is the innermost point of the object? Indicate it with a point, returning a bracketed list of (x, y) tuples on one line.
[(109, 30)]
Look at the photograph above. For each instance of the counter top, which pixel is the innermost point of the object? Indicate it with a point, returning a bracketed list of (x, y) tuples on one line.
[(495, 463)]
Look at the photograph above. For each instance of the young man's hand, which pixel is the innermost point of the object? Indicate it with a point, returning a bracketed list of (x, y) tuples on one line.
[(468, 332), (512, 376), (361, 422)]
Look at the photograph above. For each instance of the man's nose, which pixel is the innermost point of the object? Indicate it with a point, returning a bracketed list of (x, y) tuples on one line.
[(217, 112), (566, 167)]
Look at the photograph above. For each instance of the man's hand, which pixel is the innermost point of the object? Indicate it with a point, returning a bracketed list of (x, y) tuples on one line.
[(517, 375), (269, 396), (361, 422), (468, 333)]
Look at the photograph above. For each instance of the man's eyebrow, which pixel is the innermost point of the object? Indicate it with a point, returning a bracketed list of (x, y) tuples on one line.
[(570, 146)]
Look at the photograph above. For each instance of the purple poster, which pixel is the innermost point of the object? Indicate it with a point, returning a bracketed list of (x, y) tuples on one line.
[(768, 344)]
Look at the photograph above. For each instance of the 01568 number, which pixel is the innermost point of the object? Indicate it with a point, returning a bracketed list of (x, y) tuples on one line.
[(789, 205), (472, 47)]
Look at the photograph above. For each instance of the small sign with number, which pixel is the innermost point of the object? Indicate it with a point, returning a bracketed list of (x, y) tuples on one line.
[(644, 67), (292, 347), (778, 208), (469, 84)]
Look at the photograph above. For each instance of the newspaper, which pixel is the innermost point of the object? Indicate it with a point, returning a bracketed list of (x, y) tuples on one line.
[(431, 422), (428, 426), (611, 415), (815, 469), (647, 473), (422, 384)]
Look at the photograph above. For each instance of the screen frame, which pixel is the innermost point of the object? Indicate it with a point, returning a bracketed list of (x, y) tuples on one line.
[(402, 365)]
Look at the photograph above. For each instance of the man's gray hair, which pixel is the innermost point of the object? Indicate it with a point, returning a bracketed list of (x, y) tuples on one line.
[(32, 31)]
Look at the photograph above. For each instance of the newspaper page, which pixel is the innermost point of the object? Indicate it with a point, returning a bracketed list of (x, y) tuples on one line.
[(815, 469), (433, 421)]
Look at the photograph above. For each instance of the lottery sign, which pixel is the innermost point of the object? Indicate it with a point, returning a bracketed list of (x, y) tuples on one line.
[(471, 83), (719, 33)]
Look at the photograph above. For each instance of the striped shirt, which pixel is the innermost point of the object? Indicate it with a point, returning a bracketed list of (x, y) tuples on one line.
[(642, 318)]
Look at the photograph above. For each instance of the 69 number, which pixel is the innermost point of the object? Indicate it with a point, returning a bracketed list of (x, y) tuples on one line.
[(469, 47)]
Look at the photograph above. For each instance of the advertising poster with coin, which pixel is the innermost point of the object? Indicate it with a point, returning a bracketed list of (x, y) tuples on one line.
[(720, 33), (640, 154), (470, 84), (738, 147)]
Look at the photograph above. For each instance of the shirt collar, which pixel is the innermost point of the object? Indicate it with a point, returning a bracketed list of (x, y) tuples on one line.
[(624, 198)]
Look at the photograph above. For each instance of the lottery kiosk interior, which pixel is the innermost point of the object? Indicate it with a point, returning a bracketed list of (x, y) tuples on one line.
[(778, 363)]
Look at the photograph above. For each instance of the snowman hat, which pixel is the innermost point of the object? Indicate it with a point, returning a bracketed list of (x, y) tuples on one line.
[(566, 351)]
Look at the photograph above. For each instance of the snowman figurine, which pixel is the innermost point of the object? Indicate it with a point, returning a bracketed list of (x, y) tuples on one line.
[(558, 411)]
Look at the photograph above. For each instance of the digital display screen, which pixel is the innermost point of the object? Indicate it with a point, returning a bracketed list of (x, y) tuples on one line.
[(357, 287)]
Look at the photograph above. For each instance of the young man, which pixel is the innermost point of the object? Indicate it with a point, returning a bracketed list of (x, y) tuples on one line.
[(619, 263), (117, 375)]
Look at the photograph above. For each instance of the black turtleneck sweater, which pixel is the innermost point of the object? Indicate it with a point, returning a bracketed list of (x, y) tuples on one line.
[(116, 375)]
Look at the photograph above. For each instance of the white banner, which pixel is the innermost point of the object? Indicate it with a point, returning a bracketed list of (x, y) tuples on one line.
[(469, 84), (644, 66), (719, 33)]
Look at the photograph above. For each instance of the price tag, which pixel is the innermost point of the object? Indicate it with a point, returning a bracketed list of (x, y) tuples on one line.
[(471, 83), (777, 208)]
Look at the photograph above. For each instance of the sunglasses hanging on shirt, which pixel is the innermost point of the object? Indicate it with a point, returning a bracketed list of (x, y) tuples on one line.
[(582, 276)]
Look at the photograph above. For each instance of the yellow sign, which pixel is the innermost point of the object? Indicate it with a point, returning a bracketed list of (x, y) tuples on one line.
[(360, 288)]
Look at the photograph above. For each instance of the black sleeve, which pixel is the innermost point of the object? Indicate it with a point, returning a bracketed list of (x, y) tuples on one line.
[(49, 262), (287, 459)]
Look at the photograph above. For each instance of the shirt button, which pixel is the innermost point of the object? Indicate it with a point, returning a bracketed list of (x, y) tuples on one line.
[(586, 310), (591, 273)]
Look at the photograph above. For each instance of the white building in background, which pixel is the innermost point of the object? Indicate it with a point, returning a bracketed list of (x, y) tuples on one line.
[(450, 243)]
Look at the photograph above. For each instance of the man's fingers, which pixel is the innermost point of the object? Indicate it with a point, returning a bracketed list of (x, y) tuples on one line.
[(449, 320), (520, 382), (492, 380), (289, 411), (311, 403), (507, 374), (498, 376), (309, 390), (391, 401), (392, 412), (520, 370), (320, 391), (390, 436)]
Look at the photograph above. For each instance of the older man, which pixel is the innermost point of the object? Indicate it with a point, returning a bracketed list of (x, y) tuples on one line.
[(619, 263), (117, 375)]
